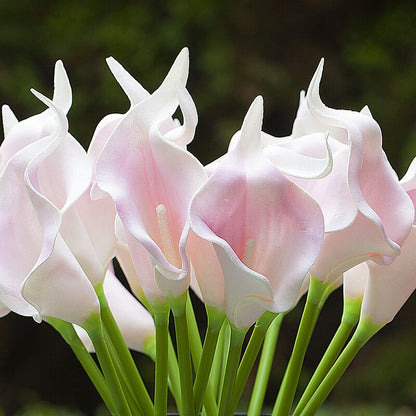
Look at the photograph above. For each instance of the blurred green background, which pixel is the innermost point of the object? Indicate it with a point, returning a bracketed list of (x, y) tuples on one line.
[(238, 49)]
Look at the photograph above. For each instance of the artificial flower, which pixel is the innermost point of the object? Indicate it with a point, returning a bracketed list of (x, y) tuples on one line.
[(151, 177), (261, 232)]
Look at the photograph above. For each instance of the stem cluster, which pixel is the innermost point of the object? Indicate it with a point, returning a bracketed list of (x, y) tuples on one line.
[(207, 375)]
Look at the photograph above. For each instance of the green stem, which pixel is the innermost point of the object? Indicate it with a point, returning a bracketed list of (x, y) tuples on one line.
[(184, 357), (350, 317), (69, 334), (363, 333), (290, 380), (221, 352), (95, 332), (126, 359), (265, 366), (250, 354), (131, 398), (173, 371), (215, 321), (161, 318), (234, 355)]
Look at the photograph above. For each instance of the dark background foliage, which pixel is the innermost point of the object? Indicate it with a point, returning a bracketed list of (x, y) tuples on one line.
[(238, 49)]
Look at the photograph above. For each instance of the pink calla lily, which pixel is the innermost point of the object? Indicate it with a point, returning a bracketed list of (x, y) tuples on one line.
[(39, 275), (367, 213), (261, 233), (151, 177)]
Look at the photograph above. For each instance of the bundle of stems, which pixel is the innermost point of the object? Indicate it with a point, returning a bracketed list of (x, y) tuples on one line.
[(207, 375)]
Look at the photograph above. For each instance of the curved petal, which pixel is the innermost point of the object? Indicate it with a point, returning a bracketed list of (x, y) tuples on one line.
[(332, 191), (206, 271), (20, 231), (346, 248), (297, 164), (101, 134), (63, 157), (183, 134)]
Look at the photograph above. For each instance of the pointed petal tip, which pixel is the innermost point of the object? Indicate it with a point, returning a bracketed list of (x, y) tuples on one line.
[(251, 128), (6, 109), (318, 74), (255, 112), (9, 118), (312, 94), (59, 64), (259, 99), (184, 51), (366, 111), (62, 95), (60, 72), (115, 67), (111, 62), (183, 56), (180, 66)]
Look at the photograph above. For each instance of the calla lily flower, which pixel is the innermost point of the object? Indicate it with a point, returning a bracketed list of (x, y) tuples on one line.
[(256, 234), (151, 177), (39, 275), (367, 213), (135, 322)]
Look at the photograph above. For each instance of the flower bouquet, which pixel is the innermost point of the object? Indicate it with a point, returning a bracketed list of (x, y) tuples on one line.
[(273, 219)]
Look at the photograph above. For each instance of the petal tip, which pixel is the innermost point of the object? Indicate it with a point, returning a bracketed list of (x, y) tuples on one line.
[(312, 95), (180, 67), (62, 95), (9, 119), (250, 137), (255, 113)]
